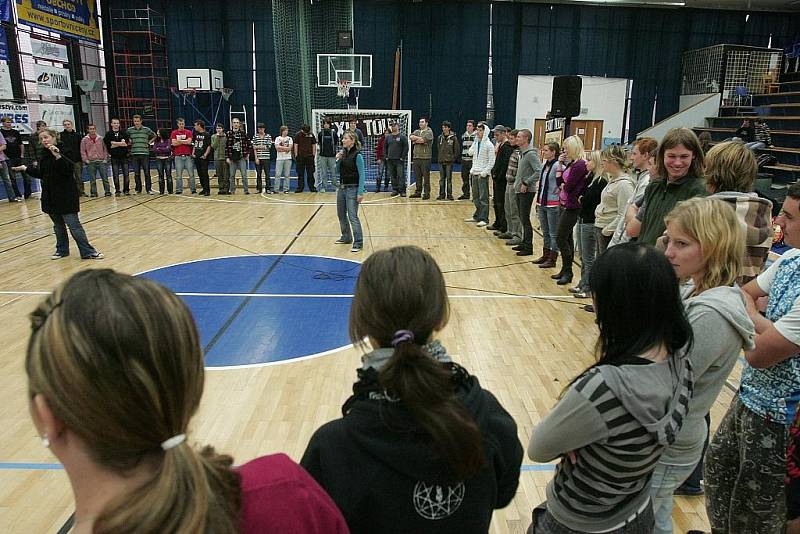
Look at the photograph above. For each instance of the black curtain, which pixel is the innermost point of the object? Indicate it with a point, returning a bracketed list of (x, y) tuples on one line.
[(644, 45)]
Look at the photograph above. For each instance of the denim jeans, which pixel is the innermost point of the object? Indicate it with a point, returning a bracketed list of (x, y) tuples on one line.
[(548, 224), (666, 479), (6, 177), (524, 202), (601, 239), (283, 169), (397, 175), (71, 221), (241, 166), (184, 163), (141, 164), (262, 167), (422, 174), (544, 523), (466, 167), (755, 145), (347, 210), (164, 167), (445, 180), (326, 171), (514, 224), (119, 167), (383, 175), (95, 168), (588, 243), (480, 197)]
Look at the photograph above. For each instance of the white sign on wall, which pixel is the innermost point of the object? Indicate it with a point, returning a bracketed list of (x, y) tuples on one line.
[(53, 81), (48, 50), (6, 90), (54, 114), (19, 114)]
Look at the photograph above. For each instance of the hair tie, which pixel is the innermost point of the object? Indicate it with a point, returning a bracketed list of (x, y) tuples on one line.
[(401, 336), (172, 442)]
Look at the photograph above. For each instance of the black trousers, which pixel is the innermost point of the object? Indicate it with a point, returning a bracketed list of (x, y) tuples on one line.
[(567, 218), (201, 164), (466, 166), (305, 167), (396, 173), (499, 200), (524, 205)]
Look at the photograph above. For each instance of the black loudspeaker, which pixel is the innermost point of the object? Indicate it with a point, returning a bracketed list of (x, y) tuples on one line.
[(345, 39), (566, 96)]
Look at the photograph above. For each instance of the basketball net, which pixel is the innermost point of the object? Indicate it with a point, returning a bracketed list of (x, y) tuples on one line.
[(343, 88), (226, 93)]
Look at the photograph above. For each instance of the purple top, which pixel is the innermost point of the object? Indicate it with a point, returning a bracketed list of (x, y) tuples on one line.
[(573, 183), (3, 153), (162, 147)]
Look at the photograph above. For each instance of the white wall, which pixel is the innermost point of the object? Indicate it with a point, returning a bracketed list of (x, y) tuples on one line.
[(688, 101), (601, 98), (691, 117)]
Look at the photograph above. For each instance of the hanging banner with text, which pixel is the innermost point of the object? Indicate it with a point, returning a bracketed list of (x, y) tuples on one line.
[(3, 45), (76, 18), (19, 115), (48, 50), (5, 11), (52, 81), (6, 89)]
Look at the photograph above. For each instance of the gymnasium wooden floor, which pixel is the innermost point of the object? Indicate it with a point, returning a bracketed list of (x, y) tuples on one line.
[(522, 349)]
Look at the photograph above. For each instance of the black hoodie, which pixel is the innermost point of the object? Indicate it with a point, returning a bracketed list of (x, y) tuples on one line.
[(379, 467)]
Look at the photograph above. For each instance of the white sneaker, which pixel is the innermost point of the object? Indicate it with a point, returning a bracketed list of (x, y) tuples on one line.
[(355, 249), (470, 219), (482, 224), (58, 256), (95, 256)]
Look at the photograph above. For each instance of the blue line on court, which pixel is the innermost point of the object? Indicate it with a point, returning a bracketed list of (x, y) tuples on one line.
[(15, 466)]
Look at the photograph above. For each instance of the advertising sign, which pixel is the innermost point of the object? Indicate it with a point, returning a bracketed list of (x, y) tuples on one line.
[(48, 50), (20, 116), (76, 18), (52, 81)]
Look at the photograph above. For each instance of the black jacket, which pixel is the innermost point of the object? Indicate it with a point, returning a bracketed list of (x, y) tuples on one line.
[(71, 141), (591, 198), (501, 162), (59, 191), (380, 469)]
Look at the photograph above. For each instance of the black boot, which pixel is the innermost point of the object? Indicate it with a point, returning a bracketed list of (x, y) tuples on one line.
[(565, 279)]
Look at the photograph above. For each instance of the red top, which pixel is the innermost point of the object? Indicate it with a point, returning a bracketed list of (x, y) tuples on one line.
[(280, 496), (181, 150), (379, 148)]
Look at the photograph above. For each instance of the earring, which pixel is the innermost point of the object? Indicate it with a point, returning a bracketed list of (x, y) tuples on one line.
[(45, 441)]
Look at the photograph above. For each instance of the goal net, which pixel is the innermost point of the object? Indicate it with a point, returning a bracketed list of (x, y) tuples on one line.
[(372, 123)]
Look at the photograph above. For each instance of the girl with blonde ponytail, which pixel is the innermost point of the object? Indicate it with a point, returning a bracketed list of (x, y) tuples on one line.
[(421, 447), (115, 374)]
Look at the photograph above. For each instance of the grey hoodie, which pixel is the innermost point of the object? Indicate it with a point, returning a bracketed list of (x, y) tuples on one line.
[(722, 329), (617, 420)]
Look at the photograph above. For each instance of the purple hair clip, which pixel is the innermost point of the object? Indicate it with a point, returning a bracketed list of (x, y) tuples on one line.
[(401, 336)]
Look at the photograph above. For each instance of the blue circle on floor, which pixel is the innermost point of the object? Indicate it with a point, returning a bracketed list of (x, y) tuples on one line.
[(259, 310)]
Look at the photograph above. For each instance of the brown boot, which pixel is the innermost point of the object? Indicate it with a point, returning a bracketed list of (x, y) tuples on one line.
[(543, 257), (550, 262)]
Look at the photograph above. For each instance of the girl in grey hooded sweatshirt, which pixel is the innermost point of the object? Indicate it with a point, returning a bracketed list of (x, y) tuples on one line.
[(705, 245), (615, 419)]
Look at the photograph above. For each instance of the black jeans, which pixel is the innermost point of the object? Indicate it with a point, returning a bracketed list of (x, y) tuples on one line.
[(305, 167), (120, 167), (201, 164), (397, 175), (524, 205), (141, 163), (499, 192), (567, 218), (466, 166), (26, 180), (164, 168), (262, 167)]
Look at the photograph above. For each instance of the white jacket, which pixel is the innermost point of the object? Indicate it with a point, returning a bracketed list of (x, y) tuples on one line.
[(613, 202), (483, 161)]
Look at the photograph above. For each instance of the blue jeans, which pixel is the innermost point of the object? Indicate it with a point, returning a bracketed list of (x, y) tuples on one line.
[(184, 163), (666, 479), (480, 197), (755, 145), (241, 166), (347, 210), (445, 180), (326, 167), (164, 167), (4, 175), (71, 221), (586, 238), (283, 168), (95, 168), (548, 224), (141, 163)]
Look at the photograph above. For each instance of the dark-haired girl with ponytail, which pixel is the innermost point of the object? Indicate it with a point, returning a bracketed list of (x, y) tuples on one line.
[(421, 447), (112, 397)]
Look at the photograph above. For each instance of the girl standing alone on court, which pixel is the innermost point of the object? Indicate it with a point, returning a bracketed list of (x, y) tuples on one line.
[(352, 174), (60, 197), (115, 374), (421, 447)]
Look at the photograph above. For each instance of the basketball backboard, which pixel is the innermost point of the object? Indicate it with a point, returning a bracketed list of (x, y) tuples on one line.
[(355, 68)]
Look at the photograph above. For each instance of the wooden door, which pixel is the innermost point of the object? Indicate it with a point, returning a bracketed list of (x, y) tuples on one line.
[(590, 132)]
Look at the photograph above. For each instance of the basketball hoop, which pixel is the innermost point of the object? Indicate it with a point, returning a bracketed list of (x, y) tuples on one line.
[(343, 88), (226, 93)]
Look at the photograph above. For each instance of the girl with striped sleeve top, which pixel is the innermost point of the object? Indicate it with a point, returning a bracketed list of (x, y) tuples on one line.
[(614, 420)]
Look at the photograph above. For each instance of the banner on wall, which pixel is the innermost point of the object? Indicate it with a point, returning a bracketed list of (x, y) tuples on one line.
[(3, 45), (54, 114), (76, 18), (48, 50), (5, 11), (6, 89), (52, 81), (19, 114)]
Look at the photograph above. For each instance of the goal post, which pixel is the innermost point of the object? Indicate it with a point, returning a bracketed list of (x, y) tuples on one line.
[(372, 123)]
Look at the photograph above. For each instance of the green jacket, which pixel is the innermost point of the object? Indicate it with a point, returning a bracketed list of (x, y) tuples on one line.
[(659, 199), (423, 150), (218, 146)]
